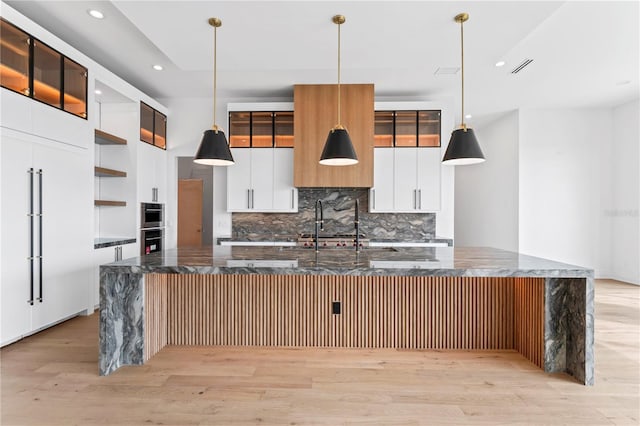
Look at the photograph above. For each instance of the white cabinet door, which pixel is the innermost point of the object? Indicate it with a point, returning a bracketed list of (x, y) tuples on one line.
[(239, 181), (160, 181), (146, 172), (382, 193), (429, 181), (262, 179), (66, 232), (15, 284), (62, 189), (285, 195), (152, 174), (405, 171)]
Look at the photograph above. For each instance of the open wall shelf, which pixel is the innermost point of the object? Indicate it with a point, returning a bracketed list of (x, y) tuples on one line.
[(109, 203), (104, 172), (104, 138)]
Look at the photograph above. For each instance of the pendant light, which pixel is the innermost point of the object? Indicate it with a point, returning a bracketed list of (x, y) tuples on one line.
[(463, 146), (338, 149), (214, 149)]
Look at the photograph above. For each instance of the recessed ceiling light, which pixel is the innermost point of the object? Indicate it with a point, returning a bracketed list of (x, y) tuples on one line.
[(158, 67), (468, 116), (500, 63), (98, 92), (96, 14)]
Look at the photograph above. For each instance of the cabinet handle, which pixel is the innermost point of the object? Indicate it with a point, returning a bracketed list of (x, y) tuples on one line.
[(293, 194), (31, 235), (248, 198), (373, 193), (41, 298), (414, 199), (252, 200), (420, 199)]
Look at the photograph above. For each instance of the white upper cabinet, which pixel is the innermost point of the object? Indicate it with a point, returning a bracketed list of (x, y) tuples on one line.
[(406, 180), (261, 180), (152, 174)]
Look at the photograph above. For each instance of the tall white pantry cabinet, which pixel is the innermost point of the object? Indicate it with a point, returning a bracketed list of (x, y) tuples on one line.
[(45, 219)]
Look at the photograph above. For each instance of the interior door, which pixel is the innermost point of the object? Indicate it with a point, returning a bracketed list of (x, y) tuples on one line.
[(190, 212), (66, 232), (15, 284)]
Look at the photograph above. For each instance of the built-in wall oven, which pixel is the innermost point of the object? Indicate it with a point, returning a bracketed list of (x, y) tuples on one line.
[(151, 228)]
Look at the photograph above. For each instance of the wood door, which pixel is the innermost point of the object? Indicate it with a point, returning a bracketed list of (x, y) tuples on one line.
[(190, 212)]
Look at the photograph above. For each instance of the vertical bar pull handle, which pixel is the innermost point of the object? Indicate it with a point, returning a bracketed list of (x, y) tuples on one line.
[(420, 199), (248, 198), (31, 236), (41, 298), (373, 193), (293, 194), (252, 200)]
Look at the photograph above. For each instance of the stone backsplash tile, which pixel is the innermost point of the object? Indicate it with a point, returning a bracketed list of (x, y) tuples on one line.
[(339, 213)]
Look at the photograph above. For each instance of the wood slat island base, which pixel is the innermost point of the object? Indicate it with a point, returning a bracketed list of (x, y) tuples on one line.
[(375, 312), (337, 299)]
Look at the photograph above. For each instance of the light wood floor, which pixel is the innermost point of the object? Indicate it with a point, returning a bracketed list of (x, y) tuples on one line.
[(52, 379)]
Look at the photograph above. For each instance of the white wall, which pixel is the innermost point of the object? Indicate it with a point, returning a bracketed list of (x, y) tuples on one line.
[(486, 196), (621, 215), (560, 176)]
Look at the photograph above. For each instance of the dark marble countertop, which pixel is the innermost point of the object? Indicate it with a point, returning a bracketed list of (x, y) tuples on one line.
[(430, 261), (102, 242), (279, 239)]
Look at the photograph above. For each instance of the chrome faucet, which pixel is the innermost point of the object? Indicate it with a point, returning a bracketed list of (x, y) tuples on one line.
[(319, 223), (357, 225)]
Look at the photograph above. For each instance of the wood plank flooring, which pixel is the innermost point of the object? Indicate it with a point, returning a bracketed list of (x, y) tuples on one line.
[(52, 379)]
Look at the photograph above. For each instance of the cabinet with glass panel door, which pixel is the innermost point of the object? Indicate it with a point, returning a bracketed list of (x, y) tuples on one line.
[(261, 180), (406, 162), (32, 68)]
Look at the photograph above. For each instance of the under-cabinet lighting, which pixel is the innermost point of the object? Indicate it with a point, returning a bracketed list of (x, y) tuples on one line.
[(96, 14)]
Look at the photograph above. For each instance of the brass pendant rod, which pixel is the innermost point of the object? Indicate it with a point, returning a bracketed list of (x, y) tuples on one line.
[(462, 69), (339, 74), (215, 74)]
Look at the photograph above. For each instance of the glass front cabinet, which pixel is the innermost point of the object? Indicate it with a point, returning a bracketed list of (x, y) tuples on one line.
[(32, 68), (261, 180), (407, 161), (153, 126)]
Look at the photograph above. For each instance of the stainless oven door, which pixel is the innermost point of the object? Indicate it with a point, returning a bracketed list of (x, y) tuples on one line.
[(151, 215), (151, 241)]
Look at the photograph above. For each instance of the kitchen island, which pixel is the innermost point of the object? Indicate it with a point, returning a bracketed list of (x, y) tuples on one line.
[(413, 298)]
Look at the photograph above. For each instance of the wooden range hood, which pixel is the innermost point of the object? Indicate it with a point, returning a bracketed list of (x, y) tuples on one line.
[(314, 115)]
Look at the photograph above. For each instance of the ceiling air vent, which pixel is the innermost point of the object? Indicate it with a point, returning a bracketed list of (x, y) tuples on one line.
[(521, 66)]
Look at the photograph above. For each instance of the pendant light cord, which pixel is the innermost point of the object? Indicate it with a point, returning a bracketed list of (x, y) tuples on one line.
[(464, 126), (339, 25), (215, 81)]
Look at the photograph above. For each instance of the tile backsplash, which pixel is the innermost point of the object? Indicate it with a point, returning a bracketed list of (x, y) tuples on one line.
[(338, 204)]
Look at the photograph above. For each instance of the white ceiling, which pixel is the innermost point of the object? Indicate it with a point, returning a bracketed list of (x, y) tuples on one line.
[(585, 53)]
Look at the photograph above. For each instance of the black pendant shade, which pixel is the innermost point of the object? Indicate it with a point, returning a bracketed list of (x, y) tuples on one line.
[(214, 149), (463, 149), (338, 149)]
